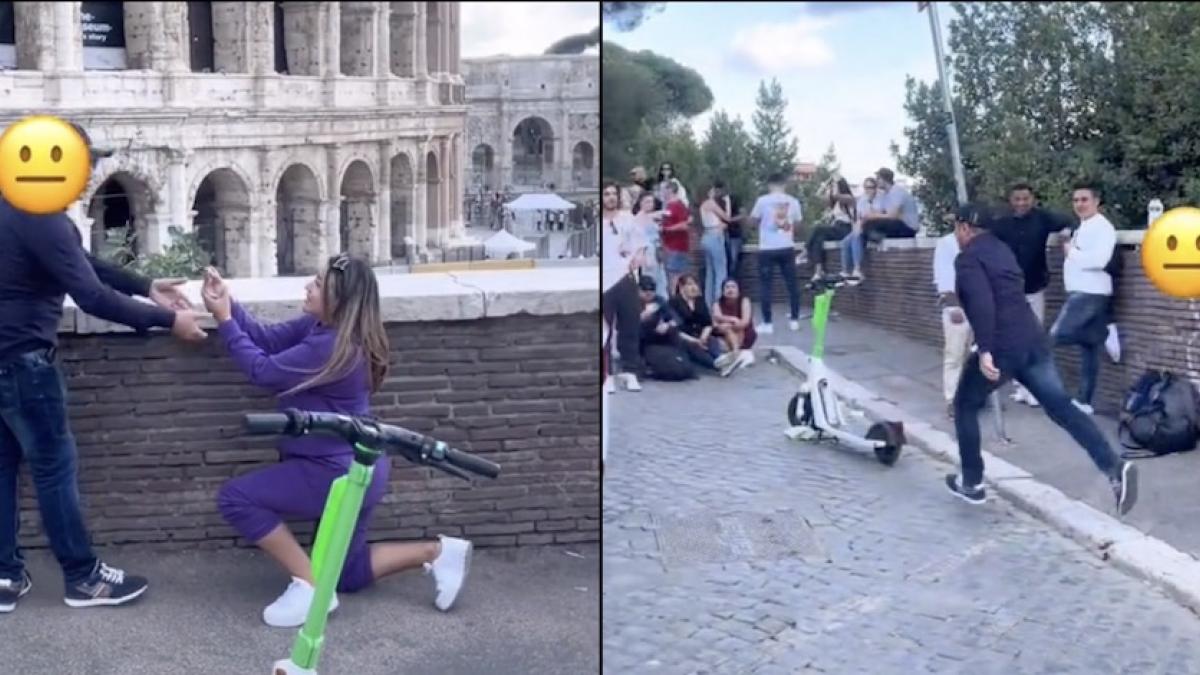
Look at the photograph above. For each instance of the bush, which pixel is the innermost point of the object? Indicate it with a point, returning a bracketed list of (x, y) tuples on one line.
[(183, 257)]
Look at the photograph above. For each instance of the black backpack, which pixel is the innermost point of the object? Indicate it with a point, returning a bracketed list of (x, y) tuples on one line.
[(1160, 416), (667, 363)]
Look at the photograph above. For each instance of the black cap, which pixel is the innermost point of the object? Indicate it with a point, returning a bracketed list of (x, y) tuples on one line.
[(975, 215), (646, 283), (97, 153)]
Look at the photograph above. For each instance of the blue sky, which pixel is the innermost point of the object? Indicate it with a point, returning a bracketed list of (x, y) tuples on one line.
[(842, 66), (522, 28)]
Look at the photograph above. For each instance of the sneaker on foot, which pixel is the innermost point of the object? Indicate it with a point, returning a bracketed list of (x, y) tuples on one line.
[(1124, 486), (1087, 409), (450, 569), (629, 382), (106, 586), (725, 360), (764, 329), (974, 494), (291, 609), (12, 590), (1112, 344), (610, 387)]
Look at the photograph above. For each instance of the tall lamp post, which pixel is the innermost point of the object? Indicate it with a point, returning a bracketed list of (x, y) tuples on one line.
[(935, 27)]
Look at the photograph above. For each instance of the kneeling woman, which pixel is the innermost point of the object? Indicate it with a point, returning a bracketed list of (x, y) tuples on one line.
[(330, 359)]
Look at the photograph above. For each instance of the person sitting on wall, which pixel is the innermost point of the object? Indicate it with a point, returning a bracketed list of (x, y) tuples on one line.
[(838, 224), (899, 218), (696, 328), (329, 359), (734, 320)]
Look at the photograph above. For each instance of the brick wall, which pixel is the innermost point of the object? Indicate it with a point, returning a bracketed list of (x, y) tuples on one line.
[(159, 429), (1155, 329)]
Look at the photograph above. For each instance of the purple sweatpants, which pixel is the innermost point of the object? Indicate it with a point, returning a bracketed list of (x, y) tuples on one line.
[(296, 488)]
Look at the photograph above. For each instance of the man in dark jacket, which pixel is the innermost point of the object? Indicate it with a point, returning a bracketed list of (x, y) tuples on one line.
[(1011, 345), (41, 260)]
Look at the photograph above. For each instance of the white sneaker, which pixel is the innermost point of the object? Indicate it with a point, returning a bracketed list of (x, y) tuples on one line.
[(610, 386), (724, 360), (764, 329), (1112, 344), (450, 570), (1084, 407), (747, 358), (291, 609), (794, 324), (629, 382)]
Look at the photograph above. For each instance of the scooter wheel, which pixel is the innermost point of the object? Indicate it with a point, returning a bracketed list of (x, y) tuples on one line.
[(798, 416), (892, 435)]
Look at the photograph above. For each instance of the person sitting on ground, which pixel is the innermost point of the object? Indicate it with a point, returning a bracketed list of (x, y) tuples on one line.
[(1011, 344), (853, 246), (659, 338), (734, 321), (329, 359), (898, 218), (839, 222), (696, 327)]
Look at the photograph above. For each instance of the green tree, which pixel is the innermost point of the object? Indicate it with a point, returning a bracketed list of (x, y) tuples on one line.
[(773, 149), (677, 144), (726, 151), (813, 202)]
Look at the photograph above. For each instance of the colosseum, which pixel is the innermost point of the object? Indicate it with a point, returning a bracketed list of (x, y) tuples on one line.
[(278, 132)]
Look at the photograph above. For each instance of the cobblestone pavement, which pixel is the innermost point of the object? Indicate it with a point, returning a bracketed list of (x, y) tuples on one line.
[(730, 549)]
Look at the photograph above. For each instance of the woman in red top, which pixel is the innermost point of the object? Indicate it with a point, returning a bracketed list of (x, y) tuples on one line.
[(675, 240), (732, 317)]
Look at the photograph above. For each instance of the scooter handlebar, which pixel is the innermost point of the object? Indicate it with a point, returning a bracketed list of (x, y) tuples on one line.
[(826, 283), (267, 423)]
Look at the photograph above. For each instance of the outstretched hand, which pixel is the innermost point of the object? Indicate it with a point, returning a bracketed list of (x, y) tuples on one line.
[(168, 293), (216, 295)]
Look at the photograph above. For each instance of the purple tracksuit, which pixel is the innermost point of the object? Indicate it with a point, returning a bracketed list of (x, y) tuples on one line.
[(277, 358)]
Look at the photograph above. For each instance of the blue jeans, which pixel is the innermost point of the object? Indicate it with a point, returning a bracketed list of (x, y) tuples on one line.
[(715, 267), (852, 252), (1083, 321), (785, 260), (1035, 369), (733, 246), (33, 422)]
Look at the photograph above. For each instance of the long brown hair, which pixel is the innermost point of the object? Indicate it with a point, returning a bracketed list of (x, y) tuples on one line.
[(350, 298)]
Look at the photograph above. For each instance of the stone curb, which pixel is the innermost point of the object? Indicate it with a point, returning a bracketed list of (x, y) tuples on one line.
[(1126, 547)]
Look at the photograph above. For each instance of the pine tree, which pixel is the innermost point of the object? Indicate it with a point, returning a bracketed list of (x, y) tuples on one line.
[(774, 148)]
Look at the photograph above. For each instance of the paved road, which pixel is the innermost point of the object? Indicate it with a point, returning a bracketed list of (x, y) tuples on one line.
[(729, 549), (524, 611)]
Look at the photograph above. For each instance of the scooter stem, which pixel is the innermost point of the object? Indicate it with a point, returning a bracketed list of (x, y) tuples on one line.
[(820, 319)]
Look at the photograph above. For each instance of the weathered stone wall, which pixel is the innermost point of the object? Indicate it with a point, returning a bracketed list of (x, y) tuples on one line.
[(489, 362)]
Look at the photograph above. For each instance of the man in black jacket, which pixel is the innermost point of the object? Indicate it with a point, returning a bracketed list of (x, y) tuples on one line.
[(1011, 345), (41, 260)]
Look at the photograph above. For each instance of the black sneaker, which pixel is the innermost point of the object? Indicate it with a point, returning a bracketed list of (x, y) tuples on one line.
[(107, 586), (974, 494), (12, 590), (1124, 486)]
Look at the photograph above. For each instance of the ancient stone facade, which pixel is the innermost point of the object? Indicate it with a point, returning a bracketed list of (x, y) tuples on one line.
[(534, 122), (280, 131)]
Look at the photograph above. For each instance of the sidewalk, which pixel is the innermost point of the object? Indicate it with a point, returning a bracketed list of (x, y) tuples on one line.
[(908, 374), (526, 610)]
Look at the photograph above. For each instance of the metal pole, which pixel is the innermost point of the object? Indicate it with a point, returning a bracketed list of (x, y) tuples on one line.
[(960, 180)]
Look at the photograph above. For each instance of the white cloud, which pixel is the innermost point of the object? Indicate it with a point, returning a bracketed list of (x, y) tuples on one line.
[(782, 47), (522, 28)]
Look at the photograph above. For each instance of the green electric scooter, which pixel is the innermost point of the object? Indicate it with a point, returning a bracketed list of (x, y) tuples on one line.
[(371, 440)]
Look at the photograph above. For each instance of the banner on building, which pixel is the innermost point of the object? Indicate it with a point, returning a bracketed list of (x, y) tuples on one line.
[(8, 36), (103, 35)]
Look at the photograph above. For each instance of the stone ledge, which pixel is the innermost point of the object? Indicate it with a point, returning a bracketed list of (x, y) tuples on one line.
[(1126, 547), (446, 296)]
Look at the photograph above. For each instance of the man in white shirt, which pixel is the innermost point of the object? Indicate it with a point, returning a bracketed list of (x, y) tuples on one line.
[(956, 331), (622, 248), (777, 215), (1083, 319)]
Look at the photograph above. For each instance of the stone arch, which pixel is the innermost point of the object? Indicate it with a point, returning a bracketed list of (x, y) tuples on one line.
[(433, 208), (583, 164), (221, 204), (532, 151), (298, 220), (403, 193), (357, 208), (483, 168), (121, 206)]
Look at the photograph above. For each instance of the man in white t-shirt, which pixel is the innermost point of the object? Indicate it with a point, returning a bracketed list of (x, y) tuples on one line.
[(622, 249), (955, 329), (777, 215), (1083, 320)]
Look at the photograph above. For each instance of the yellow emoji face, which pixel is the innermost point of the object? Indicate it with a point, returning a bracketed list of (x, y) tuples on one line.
[(1171, 253), (44, 165)]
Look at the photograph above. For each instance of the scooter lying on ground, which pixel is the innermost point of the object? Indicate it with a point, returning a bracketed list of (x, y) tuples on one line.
[(815, 412), (371, 441)]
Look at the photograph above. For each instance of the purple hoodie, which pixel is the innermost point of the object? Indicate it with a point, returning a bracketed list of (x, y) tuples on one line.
[(278, 357)]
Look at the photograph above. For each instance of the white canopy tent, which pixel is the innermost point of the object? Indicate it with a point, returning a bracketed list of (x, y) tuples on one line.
[(539, 202), (503, 243)]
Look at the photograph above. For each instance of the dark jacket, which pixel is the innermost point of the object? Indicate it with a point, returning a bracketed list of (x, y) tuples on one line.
[(691, 322), (42, 259), (650, 335), (991, 290), (1027, 237)]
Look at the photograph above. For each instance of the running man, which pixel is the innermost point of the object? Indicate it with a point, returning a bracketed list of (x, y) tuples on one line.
[(1011, 345)]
